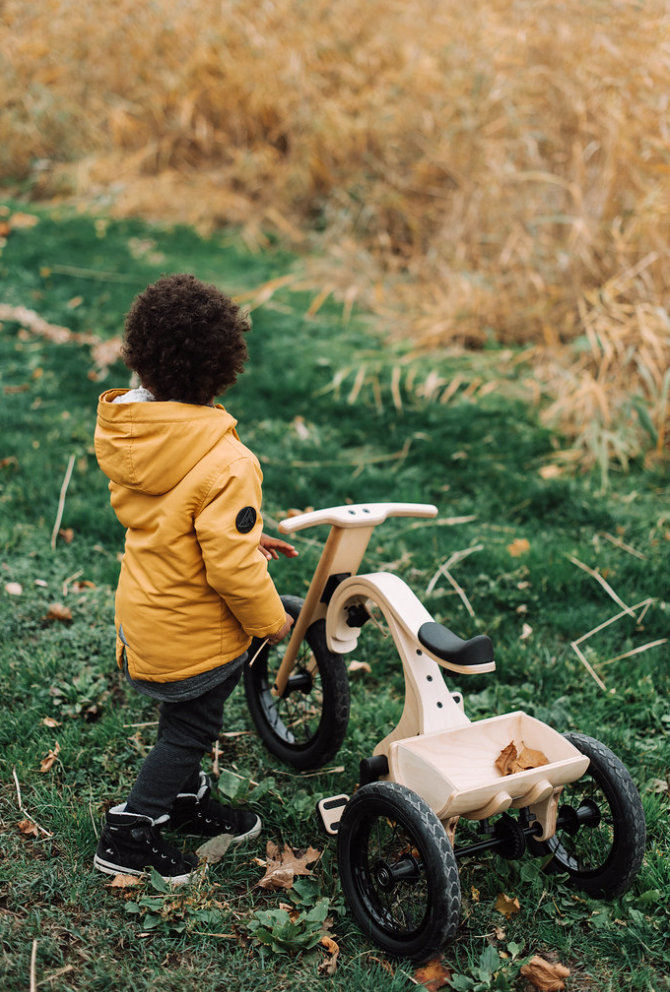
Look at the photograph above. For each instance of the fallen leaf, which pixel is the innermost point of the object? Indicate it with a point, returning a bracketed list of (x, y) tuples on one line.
[(518, 547), (28, 828), (5, 229), (545, 976), (82, 586), (506, 759), (298, 513), (475, 893), (293, 913), (530, 758), (10, 460), (59, 612), (213, 850), (509, 761), (433, 976), (124, 881), (551, 471), (358, 666), (47, 763), (508, 907), (383, 963), (42, 583), (75, 302), (301, 429), (67, 534), (49, 721), (105, 354), (13, 588), (282, 867), (329, 966), (526, 631), (19, 220)]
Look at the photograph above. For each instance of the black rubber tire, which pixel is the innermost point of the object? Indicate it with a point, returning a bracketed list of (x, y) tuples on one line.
[(603, 857), (387, 828), (306, 727)]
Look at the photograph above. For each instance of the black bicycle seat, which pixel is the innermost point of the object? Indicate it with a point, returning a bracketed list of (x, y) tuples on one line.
[(444, 644)]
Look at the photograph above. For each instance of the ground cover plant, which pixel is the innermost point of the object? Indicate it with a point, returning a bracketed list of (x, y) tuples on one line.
[(535, 559)]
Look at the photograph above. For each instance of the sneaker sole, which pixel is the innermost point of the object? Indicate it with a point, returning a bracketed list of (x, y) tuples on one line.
[(109, 868), (239, 839)]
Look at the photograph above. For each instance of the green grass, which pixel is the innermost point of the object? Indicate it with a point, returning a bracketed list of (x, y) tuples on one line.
[(473, 459)]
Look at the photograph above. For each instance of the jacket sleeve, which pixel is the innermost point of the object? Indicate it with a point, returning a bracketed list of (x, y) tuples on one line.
[(228, 528)]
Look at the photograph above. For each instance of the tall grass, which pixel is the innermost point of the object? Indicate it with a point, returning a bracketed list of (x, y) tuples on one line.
[(490, 171)]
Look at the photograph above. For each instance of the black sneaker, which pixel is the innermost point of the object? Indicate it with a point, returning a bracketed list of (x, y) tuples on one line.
[(131, 844), (198, 815)]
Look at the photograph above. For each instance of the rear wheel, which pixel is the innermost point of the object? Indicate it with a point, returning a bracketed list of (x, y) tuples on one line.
[(398, 871), (307, 725), (601, 832)]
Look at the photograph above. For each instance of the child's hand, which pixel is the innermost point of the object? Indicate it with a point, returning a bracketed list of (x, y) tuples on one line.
[(281, 634), (269, 547)]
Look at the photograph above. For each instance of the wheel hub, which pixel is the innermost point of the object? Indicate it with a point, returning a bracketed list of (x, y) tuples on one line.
[(587, 815), (299, 682), (388, 875)]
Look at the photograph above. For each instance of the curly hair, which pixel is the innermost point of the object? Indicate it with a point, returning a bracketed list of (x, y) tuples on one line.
[(185, 339)]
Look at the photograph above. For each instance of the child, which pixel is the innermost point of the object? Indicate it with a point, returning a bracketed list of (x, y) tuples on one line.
[(194, 587)]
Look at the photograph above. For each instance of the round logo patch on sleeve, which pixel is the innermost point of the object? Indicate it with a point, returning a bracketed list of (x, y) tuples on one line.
[(245, 519)]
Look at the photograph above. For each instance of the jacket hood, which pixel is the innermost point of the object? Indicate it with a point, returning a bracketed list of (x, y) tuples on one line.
[(150, 447)]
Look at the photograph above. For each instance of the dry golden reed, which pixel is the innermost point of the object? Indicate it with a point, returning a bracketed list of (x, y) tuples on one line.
[(496, 170)]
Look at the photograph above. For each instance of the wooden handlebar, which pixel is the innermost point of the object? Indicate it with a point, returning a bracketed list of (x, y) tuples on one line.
[(356, 515)]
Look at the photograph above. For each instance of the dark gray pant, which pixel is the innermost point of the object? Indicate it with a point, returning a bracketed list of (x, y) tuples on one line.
[(186, 731)]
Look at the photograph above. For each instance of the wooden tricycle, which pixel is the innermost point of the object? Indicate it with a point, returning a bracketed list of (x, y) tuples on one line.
[(574, 803)]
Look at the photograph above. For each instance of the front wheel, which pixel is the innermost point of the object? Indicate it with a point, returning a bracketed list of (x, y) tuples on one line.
[(307, 725), (601, 832), (398, 871)]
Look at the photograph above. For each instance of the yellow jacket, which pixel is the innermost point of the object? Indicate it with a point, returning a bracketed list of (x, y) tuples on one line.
[(194, 586)]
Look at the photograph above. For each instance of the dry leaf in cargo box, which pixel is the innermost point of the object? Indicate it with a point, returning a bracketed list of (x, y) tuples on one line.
[(545, 976), (508, 907), (530, 758), (282, 866), (433, 976), (506, 759), (509, 761)]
